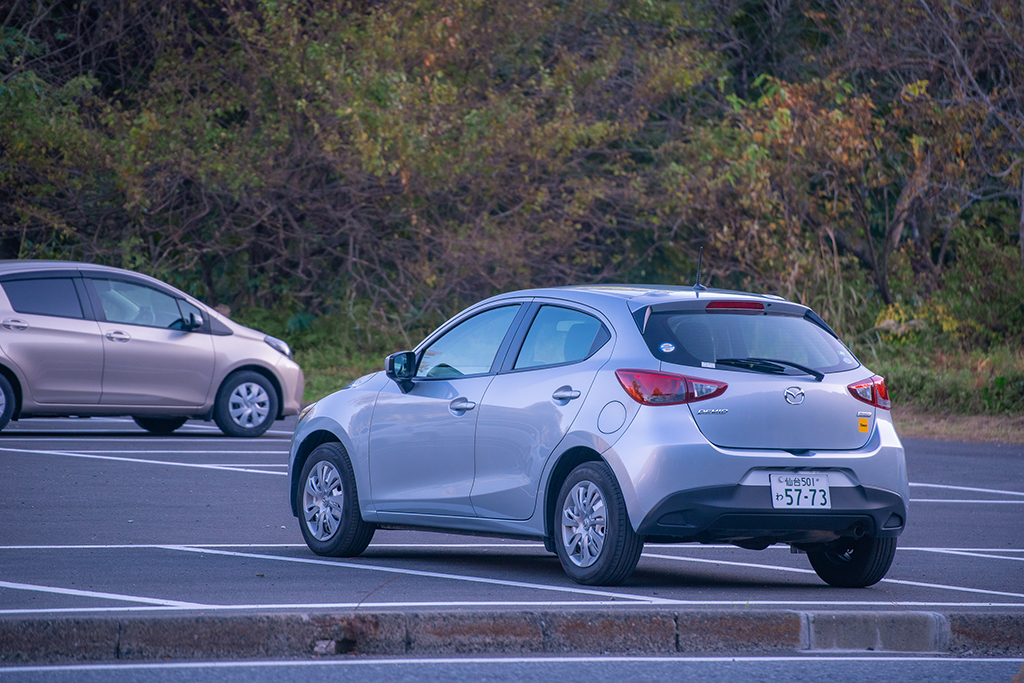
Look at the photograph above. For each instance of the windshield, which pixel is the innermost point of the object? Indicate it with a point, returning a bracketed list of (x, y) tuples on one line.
[(736, 340)]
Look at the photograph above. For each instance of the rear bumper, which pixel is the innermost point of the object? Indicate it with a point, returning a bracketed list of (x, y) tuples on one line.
[(745, 513)]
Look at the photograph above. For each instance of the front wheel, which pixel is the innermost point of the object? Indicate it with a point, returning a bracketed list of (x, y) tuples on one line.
[(246, 404), (329, 504), (593, 537), (160, 425), (853, 562)]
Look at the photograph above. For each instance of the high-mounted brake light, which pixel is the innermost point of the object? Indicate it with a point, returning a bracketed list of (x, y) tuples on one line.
[(666, 389), (735, 305), (871, 391)]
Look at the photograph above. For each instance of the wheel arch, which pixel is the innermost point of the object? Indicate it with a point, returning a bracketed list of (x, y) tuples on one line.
[(262, 370), (567, 462), (311, 441)]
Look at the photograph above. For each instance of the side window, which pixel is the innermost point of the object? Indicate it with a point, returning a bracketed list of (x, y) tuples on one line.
[(560, 335), (124, 302), (468, 348), (45, 296)]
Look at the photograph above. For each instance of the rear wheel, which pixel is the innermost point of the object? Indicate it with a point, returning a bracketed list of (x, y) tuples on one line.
[(853, 562), (329, 504), (160, 425), (6, 401), (593, 537)]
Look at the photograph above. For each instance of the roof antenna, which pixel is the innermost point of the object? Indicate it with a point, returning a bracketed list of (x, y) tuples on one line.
[(697, 285)]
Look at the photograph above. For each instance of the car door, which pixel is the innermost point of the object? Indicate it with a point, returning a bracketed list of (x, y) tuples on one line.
[(150, 359), (421, 442), (51, 336), (531, 404)]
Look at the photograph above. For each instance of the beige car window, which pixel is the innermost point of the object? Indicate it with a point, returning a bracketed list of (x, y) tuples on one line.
[(49, 296), (132, 304)]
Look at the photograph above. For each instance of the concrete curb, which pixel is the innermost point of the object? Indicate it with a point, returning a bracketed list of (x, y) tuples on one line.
[(504, 633)]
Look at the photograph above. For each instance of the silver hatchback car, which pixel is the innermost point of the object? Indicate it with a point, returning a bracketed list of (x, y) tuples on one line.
[(600, 418), (82, 339)]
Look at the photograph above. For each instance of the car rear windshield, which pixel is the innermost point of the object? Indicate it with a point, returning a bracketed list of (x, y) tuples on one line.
[(702, 339)]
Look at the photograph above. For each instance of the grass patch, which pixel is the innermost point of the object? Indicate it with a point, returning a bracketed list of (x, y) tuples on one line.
[(332, 349), (942, 382)]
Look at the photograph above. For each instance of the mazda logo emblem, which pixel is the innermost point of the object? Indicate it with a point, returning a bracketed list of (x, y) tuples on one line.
[(794, 396)]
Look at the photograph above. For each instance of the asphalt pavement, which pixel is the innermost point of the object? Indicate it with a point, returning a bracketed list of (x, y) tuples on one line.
[(102, 521)]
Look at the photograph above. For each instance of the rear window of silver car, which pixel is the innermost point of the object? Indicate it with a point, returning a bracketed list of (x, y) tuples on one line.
[(701, 339)]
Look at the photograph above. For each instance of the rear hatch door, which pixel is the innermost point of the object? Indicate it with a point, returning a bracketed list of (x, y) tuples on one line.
[(787, 412)]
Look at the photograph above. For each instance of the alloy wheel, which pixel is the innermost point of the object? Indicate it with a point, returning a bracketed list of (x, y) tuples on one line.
[(583, 523), (322, 501)]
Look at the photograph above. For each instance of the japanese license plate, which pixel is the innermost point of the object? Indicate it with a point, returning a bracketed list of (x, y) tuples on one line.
[(800, 490)]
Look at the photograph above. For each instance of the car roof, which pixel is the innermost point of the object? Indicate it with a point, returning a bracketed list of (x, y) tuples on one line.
[(10, 266), (21, 265), (638, 296)]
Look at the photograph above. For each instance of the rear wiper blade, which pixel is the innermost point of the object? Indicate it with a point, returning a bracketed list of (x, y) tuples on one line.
[(769, 365)]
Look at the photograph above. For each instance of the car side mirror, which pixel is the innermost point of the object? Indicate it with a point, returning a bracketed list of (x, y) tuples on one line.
[(194, 322), (401, 368)]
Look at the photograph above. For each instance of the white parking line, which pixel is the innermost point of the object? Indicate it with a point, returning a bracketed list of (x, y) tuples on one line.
[(796, 570), (95, 594), (966, 488), (681, 547), (970, 554), (971, 502), (178, 451), (7, 435), (143, 462), (427, 574)]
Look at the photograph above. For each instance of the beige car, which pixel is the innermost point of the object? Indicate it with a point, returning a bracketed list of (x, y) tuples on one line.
[(82, 339)]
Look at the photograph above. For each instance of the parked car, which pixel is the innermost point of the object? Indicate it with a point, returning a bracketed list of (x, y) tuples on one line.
[(601, 418), (82, 339)]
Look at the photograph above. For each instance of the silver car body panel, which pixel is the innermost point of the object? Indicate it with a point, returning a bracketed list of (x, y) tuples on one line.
[(520, 425), (422, 447), (754, 411)]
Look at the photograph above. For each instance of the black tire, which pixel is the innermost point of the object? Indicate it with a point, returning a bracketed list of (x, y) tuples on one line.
[(853, 563), (246, 405), (8, 399), (618, 551), (344, 534), (160, 425)]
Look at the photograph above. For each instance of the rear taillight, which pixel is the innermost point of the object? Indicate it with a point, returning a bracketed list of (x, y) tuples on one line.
[(871, 391), (666, 389)]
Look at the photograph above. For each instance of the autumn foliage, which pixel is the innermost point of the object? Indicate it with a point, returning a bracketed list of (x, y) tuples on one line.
[(413, 156)]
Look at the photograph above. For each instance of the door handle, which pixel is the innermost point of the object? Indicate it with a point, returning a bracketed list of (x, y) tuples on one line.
[(461, 405), (118, 336), (565, 393), (14, 324)]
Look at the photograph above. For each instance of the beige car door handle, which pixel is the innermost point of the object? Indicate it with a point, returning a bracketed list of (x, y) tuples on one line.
[(118, 336), (14, 324)]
